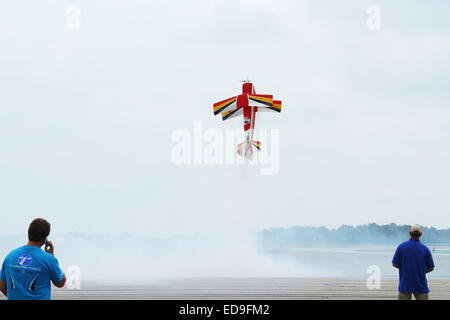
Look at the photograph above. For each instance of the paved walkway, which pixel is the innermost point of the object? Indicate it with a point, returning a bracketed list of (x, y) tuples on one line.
[(249, 288)]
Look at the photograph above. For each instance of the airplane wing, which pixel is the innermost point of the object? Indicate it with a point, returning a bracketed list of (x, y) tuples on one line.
[(264, 103), (224, 105), (260, 100), (232, 114), (276, 106)]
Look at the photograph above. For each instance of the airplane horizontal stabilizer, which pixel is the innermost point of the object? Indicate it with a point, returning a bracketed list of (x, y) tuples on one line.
[(257, 144), (240, 148), (232, 114)]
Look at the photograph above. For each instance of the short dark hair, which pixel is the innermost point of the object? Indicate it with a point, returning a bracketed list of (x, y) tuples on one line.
[(39, 230)]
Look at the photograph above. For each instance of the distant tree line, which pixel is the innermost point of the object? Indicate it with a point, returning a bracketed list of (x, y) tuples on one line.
[(362, 234)]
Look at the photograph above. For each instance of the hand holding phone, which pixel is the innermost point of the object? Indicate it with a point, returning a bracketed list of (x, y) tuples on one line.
[(48, 246)]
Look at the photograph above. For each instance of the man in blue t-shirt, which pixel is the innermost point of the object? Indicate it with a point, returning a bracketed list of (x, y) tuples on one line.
[(414, 261), (27, 271)]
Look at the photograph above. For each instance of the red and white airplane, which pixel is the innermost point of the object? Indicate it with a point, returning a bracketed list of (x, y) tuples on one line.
[(248, 104)]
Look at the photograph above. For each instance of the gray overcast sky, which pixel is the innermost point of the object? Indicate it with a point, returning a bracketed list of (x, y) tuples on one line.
[(86, 115)]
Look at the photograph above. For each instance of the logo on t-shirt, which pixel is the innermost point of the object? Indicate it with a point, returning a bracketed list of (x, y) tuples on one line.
[(25, 260)]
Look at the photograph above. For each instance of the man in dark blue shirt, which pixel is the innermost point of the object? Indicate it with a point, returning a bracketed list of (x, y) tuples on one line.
[(414, 261), (27, 271)]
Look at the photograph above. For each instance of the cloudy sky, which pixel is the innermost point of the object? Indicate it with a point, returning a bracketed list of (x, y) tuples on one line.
[(89, 103)]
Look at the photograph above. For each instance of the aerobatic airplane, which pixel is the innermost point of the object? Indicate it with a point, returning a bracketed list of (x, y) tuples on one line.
[(248, 104)]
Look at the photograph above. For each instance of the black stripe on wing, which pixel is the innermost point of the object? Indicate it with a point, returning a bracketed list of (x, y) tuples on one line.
[(269, 104), (225, 117), (220, 110)]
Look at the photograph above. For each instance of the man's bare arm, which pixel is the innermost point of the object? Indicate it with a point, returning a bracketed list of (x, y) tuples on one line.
[(3, 287), (61, 283), (396, 266), (50, 248), (430, 269)]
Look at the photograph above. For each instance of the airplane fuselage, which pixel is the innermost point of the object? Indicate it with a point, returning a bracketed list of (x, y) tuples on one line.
[(249, 130)]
